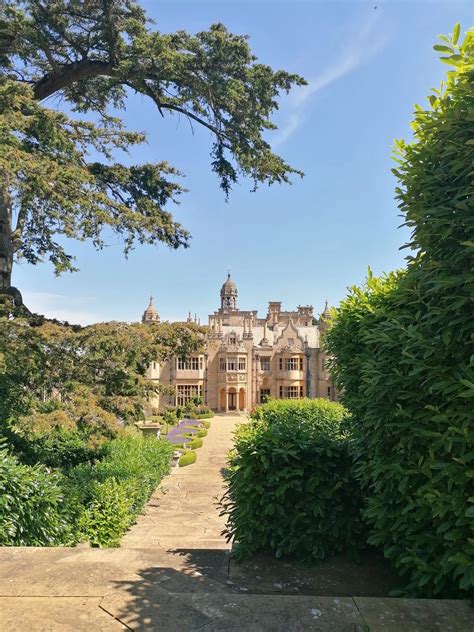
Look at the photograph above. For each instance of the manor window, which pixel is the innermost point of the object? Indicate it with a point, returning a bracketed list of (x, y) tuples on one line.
[(232, 364), (291, 392), (189, 364), (291, 364), (185, 392), (242, 364), (222, 364), (265, 363), (264, 395), (232, 339)]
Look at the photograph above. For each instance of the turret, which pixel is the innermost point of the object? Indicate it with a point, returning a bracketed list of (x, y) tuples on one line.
[(150, 314), (229, 295)]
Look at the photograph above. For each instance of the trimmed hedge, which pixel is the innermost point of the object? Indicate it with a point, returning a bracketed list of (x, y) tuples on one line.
[(291, 488), (187, 458), (194, 444), (403, 348), (201, 433), (205, 416), (207, 424)]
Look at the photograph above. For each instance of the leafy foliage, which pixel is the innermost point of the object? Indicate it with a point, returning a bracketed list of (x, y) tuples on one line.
[(403, 349), (110, 494), (55, 375), (290, 482), (58, 448), (96, 502), (31, 504), (92, 57)]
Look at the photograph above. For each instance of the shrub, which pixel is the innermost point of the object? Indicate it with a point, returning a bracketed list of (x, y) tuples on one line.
[(110, 513), (290, 483), (208, 415), (31, 505), (403, 348), (187, 458), (58, 448), (137, 464), (207, 424), (194, 444), (170, 417), (201, 433)]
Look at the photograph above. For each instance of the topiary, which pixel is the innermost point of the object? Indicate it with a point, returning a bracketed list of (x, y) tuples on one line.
[(187, 458), (194, 444)]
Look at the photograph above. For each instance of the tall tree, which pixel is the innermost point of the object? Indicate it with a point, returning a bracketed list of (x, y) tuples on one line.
[(94, 54)]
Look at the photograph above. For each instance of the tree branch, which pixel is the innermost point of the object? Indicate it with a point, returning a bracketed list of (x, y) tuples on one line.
[(70, 73)]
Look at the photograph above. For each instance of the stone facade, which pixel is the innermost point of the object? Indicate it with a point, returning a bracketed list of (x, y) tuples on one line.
[(247, 358)]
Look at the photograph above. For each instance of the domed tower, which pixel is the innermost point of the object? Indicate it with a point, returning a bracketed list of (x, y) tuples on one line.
[(229, 295), (150, 314)]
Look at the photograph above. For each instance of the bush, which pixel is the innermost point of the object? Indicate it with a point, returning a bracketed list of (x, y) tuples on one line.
[(31, 505), (290, 483), (170, 417), (194, 444), (136, 465), (403, 348), (208, 415), (201, 433), (187, 458), (58, 448), (110, 513), (207, 424)]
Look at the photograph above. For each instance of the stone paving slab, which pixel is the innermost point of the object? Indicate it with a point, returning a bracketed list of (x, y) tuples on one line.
[(339, 576), (185, 511), (416, 615), (147, 608), (55, 614), (62, 572)]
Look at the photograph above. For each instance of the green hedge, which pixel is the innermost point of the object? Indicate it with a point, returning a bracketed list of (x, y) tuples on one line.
[(403, 348), (205, 416), (187, 458), (194, 444), (201, 433), (108, 496), (32, 511), (290, 483), (207, 424)]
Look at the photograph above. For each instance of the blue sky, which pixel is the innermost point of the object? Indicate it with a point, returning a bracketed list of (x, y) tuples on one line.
[(299, 244)]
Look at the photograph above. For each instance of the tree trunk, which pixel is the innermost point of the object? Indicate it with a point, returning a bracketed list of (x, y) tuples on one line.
[(7, 248), (6, 242)]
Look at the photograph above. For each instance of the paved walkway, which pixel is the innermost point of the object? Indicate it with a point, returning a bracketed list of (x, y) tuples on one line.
[(173, 574), (184, 513)]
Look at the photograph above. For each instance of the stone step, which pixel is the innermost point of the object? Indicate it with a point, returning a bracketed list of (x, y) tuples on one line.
[(217, 612)]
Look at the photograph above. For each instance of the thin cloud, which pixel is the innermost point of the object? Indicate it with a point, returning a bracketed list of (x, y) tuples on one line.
[(364, 43), (62, 307)]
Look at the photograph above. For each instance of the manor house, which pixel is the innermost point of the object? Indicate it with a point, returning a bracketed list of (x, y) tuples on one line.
[(247, 359)]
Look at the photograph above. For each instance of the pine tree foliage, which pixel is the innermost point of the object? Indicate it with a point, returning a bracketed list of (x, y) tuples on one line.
[(90, 56)]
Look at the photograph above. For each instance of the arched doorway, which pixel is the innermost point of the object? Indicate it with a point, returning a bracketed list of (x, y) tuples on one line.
[(242, 399), (232, 399)]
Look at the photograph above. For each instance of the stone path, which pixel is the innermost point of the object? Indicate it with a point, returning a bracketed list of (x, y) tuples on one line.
[(186, 515), (173, 574)]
